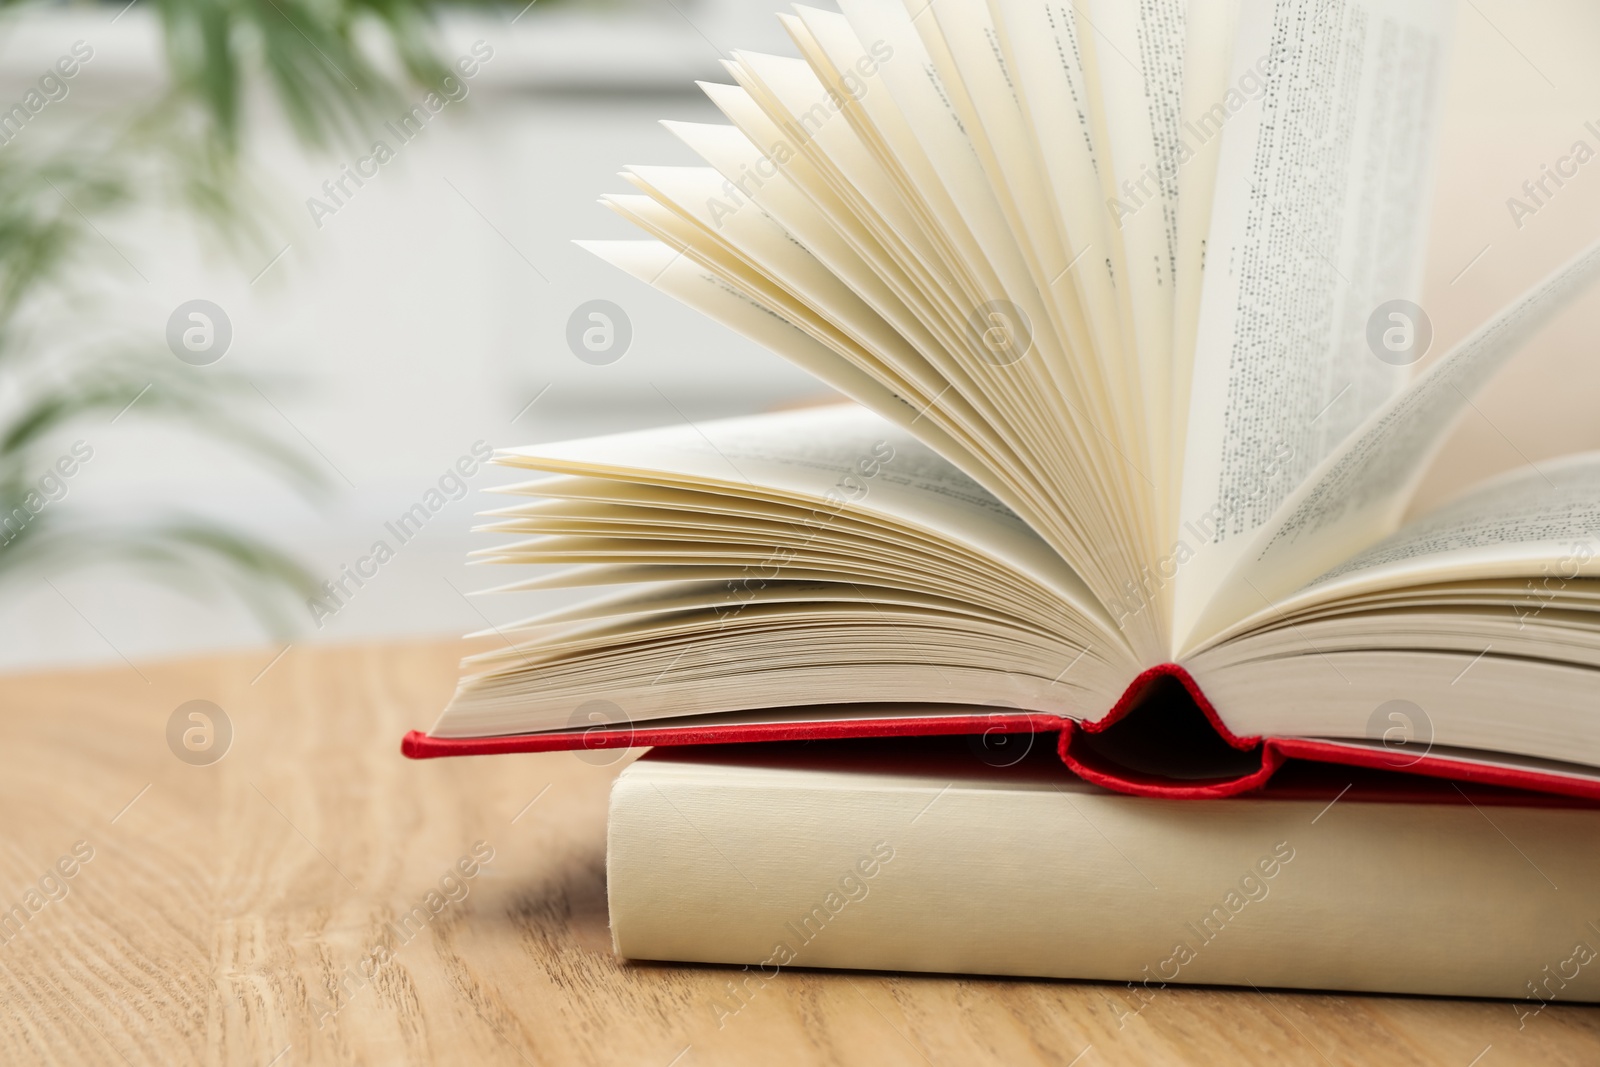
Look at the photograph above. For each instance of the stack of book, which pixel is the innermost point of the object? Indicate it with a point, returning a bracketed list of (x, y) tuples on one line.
[(1088, 639)]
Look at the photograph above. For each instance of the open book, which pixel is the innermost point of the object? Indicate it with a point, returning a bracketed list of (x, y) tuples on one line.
[(1124, 298)]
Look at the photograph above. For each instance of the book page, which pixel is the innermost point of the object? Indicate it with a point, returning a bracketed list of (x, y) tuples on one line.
[(946, 171), (894, 194), (775, 258), (670, 271), (1138, 49), (857, 261), (1359, 494), (1322, 197), (1039, 39), (917, 309), (1216, 86), (1537, 525), (842, 457), (1523, 523), (964, 42), (827, 159), (1046, 409)]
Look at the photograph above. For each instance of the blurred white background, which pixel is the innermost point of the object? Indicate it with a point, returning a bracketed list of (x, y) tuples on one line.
[(429, 311)]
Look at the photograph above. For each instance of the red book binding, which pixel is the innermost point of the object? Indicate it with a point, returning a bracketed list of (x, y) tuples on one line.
[(1077, 744)]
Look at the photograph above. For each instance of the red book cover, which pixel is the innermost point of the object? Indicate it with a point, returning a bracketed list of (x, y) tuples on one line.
[(1163, 738)]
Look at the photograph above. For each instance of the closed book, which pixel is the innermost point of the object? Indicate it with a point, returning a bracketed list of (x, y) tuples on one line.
[(947, 855)]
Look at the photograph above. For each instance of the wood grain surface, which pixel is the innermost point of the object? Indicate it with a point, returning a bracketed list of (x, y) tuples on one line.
[(254, 911)]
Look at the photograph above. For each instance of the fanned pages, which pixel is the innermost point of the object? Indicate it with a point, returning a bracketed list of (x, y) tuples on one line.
[(1122, 298)]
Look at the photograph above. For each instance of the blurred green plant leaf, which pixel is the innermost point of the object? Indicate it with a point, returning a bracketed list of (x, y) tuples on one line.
[(327, 64), (193, 555)]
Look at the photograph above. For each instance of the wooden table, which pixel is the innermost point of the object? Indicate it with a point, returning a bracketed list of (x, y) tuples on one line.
[(229, 910)]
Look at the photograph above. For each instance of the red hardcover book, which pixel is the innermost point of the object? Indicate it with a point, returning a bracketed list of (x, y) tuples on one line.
[(1130, 478), (1187, 766)]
